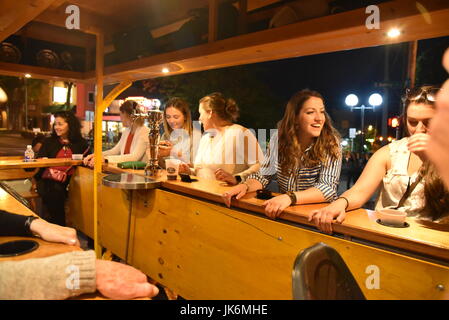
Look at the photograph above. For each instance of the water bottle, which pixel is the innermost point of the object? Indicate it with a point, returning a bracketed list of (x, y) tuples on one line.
[(29, 154)]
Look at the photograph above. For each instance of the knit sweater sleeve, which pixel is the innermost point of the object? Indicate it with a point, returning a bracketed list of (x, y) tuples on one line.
[(57, 277)]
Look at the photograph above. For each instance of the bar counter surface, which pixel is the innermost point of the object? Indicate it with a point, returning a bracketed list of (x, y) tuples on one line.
[(38, 163), (183, 236), (424, 238)]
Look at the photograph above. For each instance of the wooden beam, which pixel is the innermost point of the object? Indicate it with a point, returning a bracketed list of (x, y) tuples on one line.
[(89, 22), (15, 14), (344, 31), (213, 20), (18, 70), (257, 4), (99, 65), (51, 33)]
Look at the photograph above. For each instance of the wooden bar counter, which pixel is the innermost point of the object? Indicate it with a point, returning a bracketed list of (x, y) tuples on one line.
[(183, 236), (38, 163)]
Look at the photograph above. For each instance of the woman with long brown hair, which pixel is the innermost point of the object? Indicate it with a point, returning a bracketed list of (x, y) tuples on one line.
[(402, 169), (305, 156), (177, 139)]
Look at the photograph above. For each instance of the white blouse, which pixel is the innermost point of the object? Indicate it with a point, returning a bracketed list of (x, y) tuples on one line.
[(395, 182), (235, 150), (138, 148)]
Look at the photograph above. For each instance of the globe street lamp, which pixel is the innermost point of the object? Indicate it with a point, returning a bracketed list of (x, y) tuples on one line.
[(374, 101)]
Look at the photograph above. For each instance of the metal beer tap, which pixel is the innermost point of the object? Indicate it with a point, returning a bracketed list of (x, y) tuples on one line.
[(155, 118)]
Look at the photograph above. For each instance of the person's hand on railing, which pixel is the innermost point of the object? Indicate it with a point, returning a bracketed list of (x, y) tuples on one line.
[(184, 168), (89, 160), (225, 176), (238, 191), (53, 232), (120, 281)]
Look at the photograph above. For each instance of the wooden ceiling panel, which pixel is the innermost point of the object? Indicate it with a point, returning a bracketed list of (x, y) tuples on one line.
[(344, 31), (337, 32), (15, 14)]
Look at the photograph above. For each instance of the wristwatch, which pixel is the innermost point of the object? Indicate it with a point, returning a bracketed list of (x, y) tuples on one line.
[(292, 196), (238, 178), (27, 225)]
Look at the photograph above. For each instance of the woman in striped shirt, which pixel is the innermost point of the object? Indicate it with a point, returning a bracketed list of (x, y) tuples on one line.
[(305, 156)]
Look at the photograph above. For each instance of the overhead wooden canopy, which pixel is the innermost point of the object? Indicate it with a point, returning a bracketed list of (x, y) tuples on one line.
[(343, 31)]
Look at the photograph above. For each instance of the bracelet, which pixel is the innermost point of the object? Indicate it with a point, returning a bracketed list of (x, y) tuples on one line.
[(27, 225), (292, 196), (347, 202), (247, 185)]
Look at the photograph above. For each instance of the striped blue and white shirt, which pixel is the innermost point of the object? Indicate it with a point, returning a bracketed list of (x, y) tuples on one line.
[(324, 176)]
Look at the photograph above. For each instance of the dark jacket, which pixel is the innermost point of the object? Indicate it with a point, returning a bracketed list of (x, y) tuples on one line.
[(52, 145), (12, 224)]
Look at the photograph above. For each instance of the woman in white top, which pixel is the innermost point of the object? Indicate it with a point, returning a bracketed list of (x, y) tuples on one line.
[(134, 141), (227, 152), (397, 167), (177, 139)]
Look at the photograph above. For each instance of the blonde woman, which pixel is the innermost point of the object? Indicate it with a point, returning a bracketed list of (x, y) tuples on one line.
[(133, 143), (227, 151)]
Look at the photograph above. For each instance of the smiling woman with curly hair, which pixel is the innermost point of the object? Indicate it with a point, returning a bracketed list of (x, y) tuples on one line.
[(307, 162)]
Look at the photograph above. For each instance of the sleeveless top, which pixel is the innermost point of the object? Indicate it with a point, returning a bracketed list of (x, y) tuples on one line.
[(394, 183)]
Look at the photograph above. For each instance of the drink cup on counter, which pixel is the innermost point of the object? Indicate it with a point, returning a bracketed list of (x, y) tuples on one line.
[(172, 167), (391, 216)]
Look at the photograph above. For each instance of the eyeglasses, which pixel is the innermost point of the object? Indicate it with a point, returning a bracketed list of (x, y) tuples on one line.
[(428, 93)]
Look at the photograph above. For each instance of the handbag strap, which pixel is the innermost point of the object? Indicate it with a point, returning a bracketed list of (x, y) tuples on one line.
[(84, 153), (409, 190)]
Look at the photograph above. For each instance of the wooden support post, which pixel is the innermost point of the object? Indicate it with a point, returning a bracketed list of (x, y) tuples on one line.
[(101, 105), (213, 20), (412, 52), (99, 68)]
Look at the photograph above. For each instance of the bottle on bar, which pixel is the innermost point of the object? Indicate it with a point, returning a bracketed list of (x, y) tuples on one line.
[(29, 154)]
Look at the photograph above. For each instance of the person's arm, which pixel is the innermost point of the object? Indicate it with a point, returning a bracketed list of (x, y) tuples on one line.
[(253, 155), (18, 225), (323, 190), (14, 224), (258, 180), (56, 277), (358, 195), (327, 184), (44, 150), (71, 274)]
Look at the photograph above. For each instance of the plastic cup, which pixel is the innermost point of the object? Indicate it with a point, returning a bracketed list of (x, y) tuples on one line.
[(391, 216), (172, 167)]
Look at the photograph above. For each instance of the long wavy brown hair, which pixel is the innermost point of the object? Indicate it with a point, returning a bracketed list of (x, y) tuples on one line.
[(435, 193), (290, 154)]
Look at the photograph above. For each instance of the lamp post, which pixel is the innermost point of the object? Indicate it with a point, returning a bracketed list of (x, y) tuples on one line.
[(26, 100), (374, 101)]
